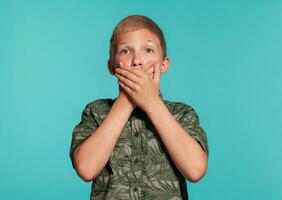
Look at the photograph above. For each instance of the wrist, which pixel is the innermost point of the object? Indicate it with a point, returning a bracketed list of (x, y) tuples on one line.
[(125, 103), (153, 105)]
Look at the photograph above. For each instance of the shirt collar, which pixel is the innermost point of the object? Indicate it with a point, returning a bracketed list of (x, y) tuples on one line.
[(139, 110)]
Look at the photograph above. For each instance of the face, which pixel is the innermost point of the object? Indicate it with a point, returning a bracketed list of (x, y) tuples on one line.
[(138, 49)]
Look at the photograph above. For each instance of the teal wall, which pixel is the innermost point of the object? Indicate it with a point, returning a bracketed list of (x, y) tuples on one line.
[(226, 62)]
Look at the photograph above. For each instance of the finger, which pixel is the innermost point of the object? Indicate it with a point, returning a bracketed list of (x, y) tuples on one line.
[(138, 72), (125, 88), (148, 65), (123, 66), (127, 74), (119, 65), (157, 73), (149, 71), (125, 69), (127, 82)]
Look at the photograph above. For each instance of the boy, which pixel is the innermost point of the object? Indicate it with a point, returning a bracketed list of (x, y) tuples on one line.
[(138, 145)]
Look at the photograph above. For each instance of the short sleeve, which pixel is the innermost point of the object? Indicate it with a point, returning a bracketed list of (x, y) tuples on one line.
[(190, 122), (82, 130)]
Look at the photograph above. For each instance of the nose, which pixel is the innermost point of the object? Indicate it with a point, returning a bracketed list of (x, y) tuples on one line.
[(137, 61)]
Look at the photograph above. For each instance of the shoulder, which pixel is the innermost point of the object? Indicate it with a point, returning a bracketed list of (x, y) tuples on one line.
[(178, 107), (99, 105)]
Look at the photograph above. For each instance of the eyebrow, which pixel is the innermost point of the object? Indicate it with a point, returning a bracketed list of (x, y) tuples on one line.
[(148, 41)]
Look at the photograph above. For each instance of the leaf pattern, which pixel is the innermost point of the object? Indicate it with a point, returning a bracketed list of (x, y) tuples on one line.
[(139, 166)]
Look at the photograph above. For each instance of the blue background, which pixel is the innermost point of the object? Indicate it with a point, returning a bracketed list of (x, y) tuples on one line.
[(225, 62)]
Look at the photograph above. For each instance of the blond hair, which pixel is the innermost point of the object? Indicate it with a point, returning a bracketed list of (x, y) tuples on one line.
[(133, 23)]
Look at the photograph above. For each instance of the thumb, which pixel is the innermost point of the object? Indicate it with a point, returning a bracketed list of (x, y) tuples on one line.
[(157, 73)]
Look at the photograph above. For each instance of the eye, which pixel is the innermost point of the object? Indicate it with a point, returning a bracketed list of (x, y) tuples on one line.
[(149, 50), (123, 51)]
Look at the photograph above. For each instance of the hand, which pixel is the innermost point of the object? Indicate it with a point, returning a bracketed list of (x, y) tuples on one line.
[(142, 87), (122, 93)]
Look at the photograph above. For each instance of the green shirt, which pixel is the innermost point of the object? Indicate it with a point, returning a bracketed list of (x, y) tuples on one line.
[(139, 166)]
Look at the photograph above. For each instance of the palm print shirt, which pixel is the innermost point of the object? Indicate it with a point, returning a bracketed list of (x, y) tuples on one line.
[(139, 166)]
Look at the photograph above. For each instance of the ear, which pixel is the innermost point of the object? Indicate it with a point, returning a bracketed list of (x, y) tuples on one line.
[(165, 65), (111, 67)]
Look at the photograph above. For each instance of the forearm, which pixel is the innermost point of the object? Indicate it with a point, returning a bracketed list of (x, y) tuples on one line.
[(93, 154), (187, 155)]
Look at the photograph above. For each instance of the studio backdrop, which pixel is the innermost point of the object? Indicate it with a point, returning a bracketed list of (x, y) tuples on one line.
[(225, 62)]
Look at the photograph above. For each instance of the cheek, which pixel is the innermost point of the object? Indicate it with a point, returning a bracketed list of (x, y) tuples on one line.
[(155, 60), (155, 57), (124, 59)]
